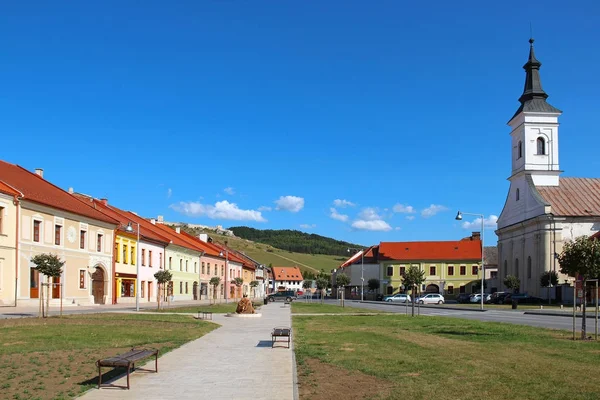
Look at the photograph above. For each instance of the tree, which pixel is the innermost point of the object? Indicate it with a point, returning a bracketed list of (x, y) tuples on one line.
[(373, 284), (413, 278), (307, 284), (254, 285), (215, 281), (342, 280), (162, 277), (513, 283), (322, 285), (477, 286), (548, 279), (581, 258), (50, 266)]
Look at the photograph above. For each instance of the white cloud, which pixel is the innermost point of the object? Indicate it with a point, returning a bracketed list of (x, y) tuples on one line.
[(432, 210), (221, 210), (405, 209), (169, 193), (410, 217), (371, 225), (369, 214), (290, 203), (308, 226), (343, 203), (264, 208), (489, 222), (229, 190), (335, 215)]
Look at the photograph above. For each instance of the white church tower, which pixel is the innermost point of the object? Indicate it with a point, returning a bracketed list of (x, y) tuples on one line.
[(542, 210)]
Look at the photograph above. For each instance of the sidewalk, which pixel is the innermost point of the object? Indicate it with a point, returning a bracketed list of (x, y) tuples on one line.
[(233, 362)]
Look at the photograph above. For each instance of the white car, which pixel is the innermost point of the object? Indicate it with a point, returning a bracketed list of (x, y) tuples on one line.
[(398, 297), (476, 298), (432, 298)]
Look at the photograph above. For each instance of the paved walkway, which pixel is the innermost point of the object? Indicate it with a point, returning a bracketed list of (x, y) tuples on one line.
[(234, 361)]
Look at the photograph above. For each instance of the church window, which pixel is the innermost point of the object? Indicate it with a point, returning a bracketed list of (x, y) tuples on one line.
[(529, 267), (518, 195), (519, 150), (541, 146), (517, 267)]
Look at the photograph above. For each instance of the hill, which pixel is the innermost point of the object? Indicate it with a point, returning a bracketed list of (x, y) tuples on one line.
[(296, 241)]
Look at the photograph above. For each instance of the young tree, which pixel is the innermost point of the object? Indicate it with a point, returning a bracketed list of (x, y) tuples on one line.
[(50, 266), (342, 280), (163, 277), (548, 279), (322, 285), (413, 278), (581, 258), (513, 283), (254, 285), (238, 282), (307, 284), (215, 281)]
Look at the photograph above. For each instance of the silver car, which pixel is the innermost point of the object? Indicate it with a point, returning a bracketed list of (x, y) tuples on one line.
[(398, 297), (432, 298)]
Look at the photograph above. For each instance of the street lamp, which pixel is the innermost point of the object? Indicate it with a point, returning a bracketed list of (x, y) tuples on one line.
[(226, 271), (129, 229), (459, 218), (362, 271)]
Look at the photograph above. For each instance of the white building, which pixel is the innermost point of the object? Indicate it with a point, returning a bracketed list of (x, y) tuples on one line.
[(542, 210), (286, 278), (360, 268)]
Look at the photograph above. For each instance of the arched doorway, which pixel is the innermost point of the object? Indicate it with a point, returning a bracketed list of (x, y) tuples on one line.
[(195, 290), (432, 288), (98, 285)]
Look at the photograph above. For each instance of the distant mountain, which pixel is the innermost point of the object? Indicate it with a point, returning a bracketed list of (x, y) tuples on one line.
[(296, 241)]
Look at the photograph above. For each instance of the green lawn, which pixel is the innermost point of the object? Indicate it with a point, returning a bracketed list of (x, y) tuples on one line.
[(221, 308), (440, 358), (317, 308), (55, 358)]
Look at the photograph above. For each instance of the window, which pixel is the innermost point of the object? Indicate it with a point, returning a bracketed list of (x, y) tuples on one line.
[(195, 267), (82, 279), (451, 270), (222, 270), (36, 230), (519, 150), (517, 194), (494, 275), (160, 260), (463, 270), (180, 287), (82, 235), (203, 268), (517, 267), (432, 270), (474, 270), (142, 288), (180, 264), (390, 271), (529, 267), (186, 288), (402, 271), (186, 267), (99, 242), (461, 289), (150, 259), (117, 252), (57, 229), (124, 260), (221, 289), (143, 258), (132, 258), (1, 215), (390, 290), (170, 262), (208, 269), (541, 146), (450, 289)]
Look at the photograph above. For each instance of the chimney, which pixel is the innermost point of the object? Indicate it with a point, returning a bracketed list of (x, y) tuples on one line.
[(160, 219), (152, 221), (40, 172), (476, 236), (71, 190), (104, 201), (178, 229)]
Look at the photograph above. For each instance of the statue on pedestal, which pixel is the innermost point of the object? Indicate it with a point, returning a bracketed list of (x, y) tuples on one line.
[(245, 306)]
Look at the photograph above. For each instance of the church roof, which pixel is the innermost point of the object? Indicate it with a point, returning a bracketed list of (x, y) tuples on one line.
[(574, 197), (534, 97)]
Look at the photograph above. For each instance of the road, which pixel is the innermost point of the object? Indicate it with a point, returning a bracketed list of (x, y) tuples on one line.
[(506, 316)]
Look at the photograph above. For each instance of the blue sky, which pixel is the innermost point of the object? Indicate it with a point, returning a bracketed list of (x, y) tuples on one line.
[(264, 113)]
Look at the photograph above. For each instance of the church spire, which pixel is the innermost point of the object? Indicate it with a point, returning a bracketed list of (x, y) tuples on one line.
[(534, 98)]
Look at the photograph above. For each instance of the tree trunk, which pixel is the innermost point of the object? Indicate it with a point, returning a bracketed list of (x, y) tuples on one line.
[(158, 297), (48, 294), (413, 301), (583, 322)]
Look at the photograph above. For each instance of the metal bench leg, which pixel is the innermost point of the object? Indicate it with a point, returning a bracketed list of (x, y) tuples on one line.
[(99, 376), (128, 367), (156, 363)]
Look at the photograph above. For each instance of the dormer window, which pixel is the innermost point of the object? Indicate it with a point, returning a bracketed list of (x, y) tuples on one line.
[(519, 150), (541, 146), (518, 195)]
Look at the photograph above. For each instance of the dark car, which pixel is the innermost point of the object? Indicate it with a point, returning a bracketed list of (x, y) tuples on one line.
[(463, 298), (522, 299), (288, 296), (498, 297)]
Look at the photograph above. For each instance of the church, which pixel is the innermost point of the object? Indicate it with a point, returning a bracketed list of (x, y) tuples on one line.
[(542, 210)]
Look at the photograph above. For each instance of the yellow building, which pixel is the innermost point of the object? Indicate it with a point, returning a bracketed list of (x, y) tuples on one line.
[(8, 242)]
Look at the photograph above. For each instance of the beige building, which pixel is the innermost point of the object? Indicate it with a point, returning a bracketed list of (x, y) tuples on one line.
[(8, 242), (50, 220)]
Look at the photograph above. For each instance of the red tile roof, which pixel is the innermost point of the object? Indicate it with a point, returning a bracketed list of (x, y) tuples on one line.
[(4, 188), (178, 238), (287, 274), (431, 251), (38, 190), (574, 197)]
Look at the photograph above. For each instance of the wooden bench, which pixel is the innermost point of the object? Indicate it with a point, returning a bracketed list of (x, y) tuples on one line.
[(281, 332), (205, 314), (126, 360)]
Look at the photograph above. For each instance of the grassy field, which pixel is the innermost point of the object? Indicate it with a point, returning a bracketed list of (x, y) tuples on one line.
[(55, 358), (317, 308), (221, 308), (440, 358)]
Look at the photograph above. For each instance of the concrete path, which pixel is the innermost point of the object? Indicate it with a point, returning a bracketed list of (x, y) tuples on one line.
[(234, 361)]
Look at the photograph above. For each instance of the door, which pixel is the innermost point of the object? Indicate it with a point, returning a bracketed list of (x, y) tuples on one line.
[(195, 290), (56, 287), (34, 283), (98, 286), (149, 290)]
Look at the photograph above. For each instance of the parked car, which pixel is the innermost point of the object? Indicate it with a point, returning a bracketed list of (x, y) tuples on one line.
[(522, 299), (379, 297), (398, 297), (432, 298), (476, 298), (497, 297), (463, 298), (282, 296)]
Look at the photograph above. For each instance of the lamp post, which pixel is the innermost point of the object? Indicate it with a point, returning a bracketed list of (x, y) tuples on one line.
[(129, 229), (362, 271), (458, 218), (226, 271)]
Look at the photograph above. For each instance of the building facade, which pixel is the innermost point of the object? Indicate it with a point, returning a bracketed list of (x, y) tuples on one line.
[(9, 198)]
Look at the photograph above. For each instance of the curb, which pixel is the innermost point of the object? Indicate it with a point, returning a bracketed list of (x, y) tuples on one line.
[(422, 306), (591, 315)]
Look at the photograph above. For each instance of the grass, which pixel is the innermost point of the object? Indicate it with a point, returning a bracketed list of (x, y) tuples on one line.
[(221, 308), (440, 358), (318, 308), (55, 358)]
